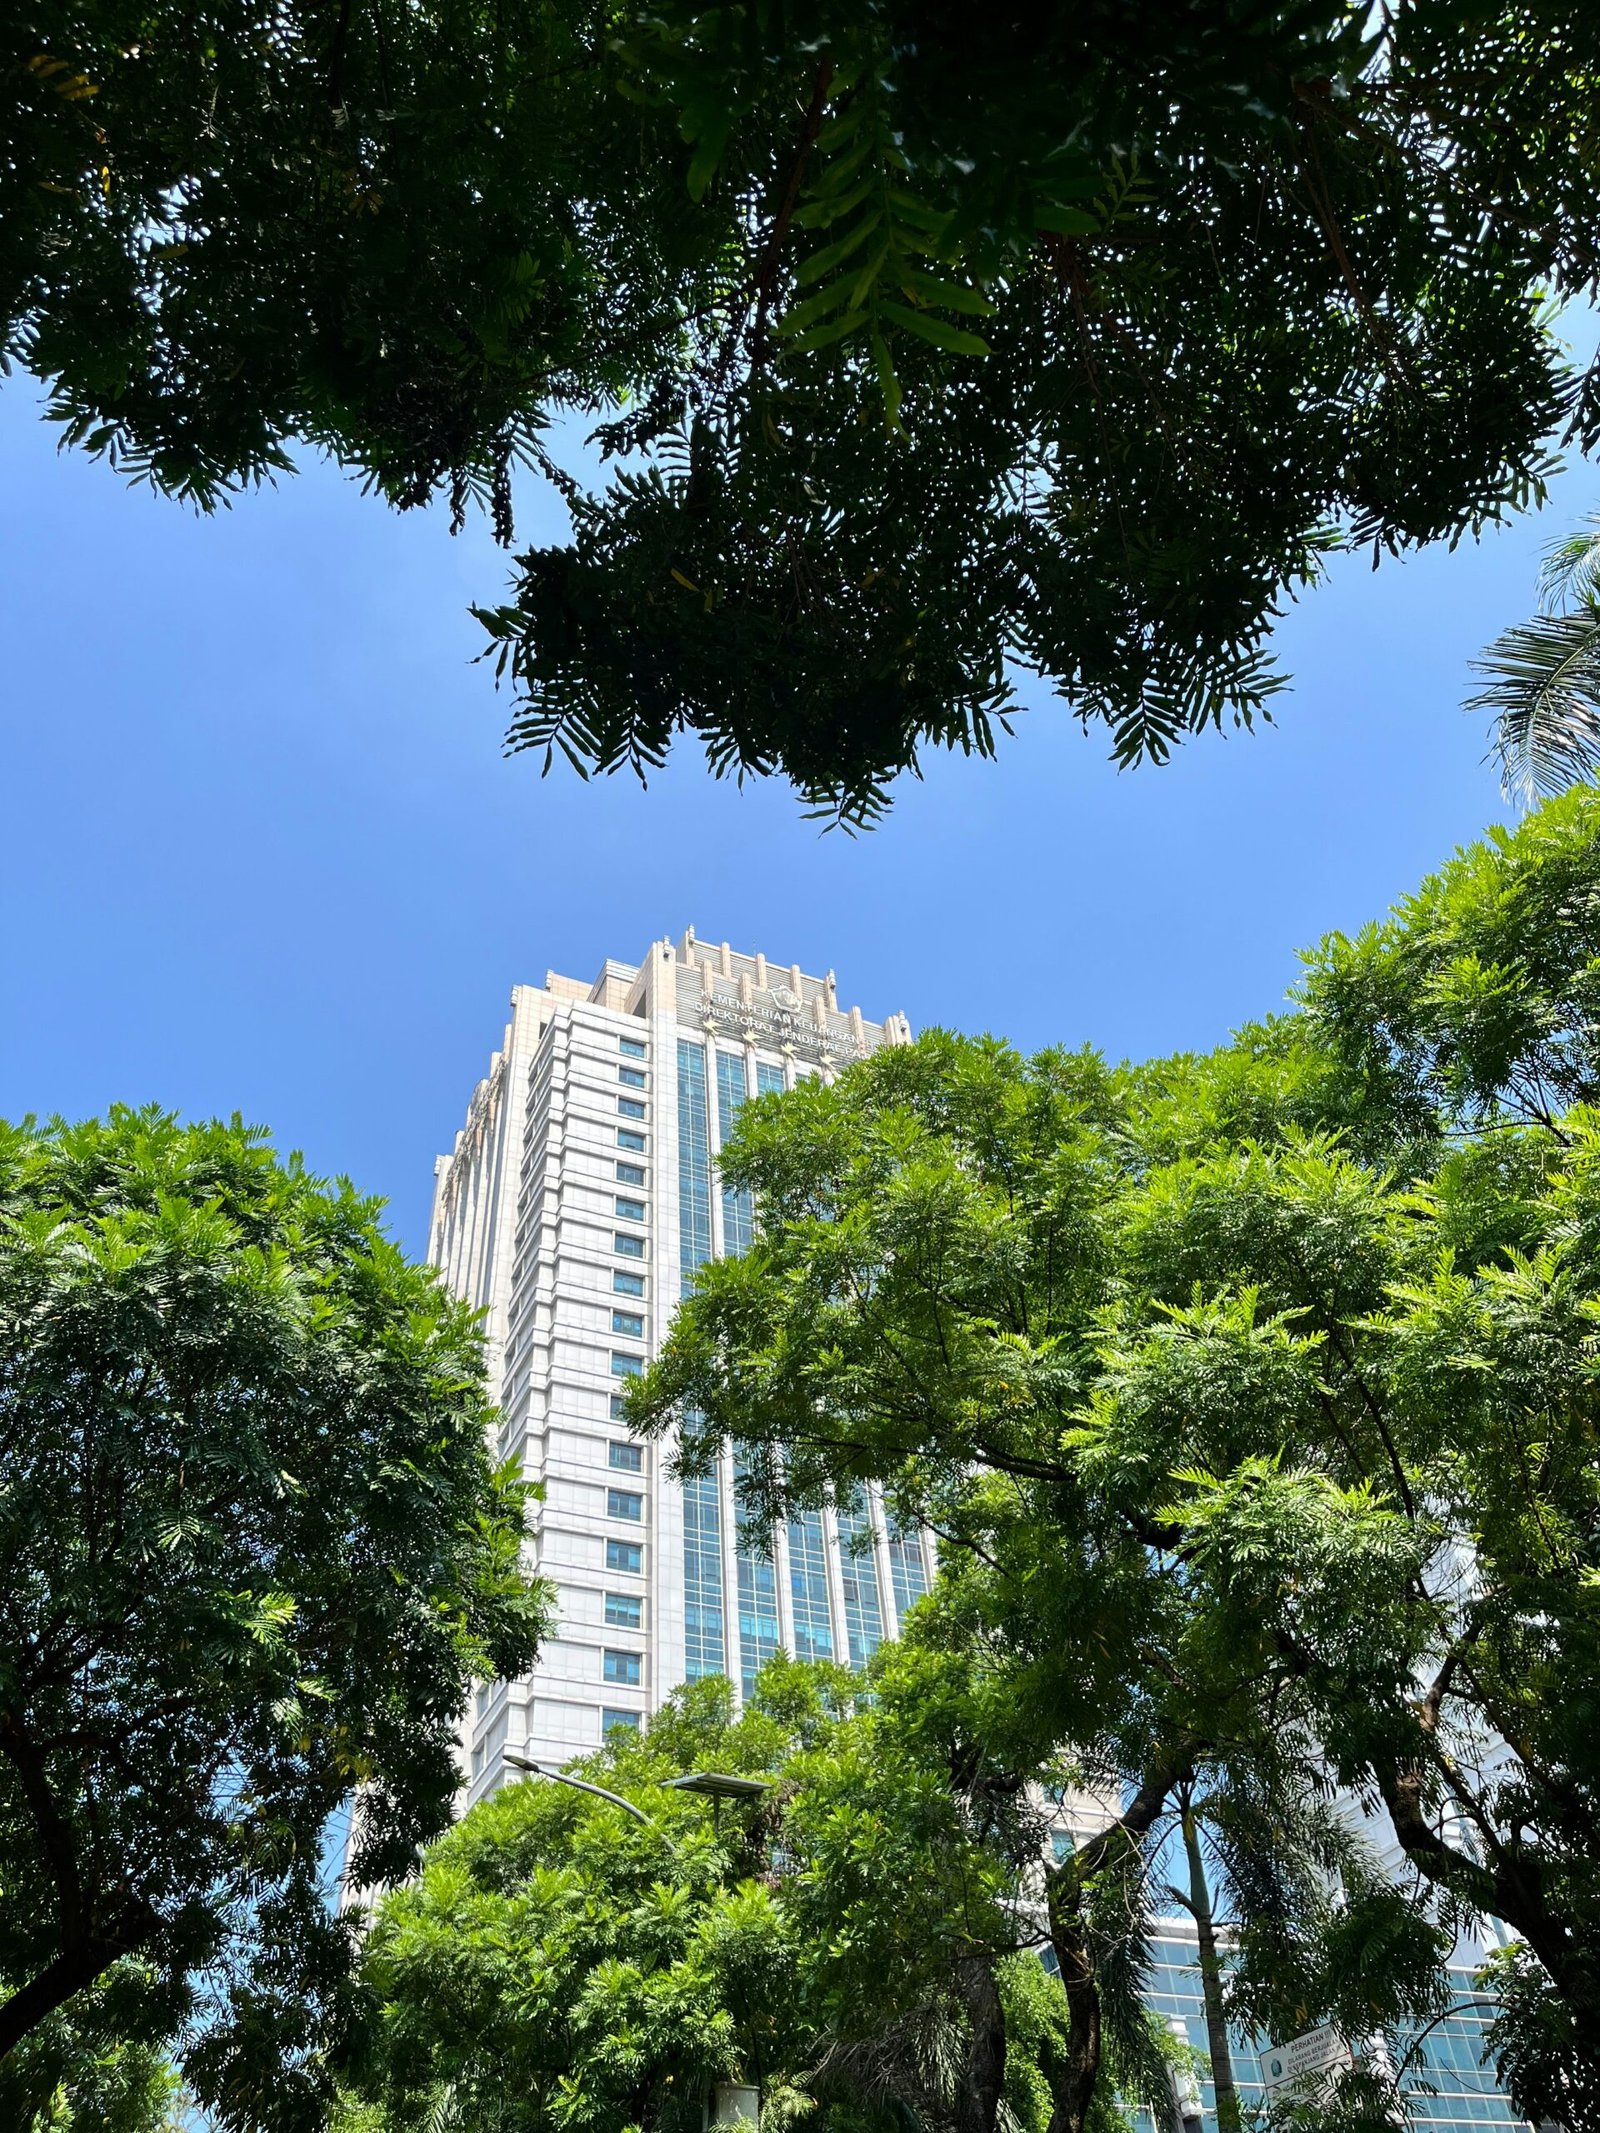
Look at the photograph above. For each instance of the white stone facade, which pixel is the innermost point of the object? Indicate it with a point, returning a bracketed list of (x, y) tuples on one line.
[(579, 1198)]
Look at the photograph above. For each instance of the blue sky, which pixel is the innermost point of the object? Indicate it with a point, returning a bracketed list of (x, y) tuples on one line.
[(263, 853)]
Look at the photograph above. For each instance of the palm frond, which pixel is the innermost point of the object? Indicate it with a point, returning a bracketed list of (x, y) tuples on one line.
[(1543, 694), (1571, 569), (445, 2114)]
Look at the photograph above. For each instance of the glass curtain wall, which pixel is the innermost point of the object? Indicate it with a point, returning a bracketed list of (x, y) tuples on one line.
[(858, 1566)]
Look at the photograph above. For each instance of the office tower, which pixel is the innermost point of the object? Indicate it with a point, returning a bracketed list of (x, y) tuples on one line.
[(580, 1198)]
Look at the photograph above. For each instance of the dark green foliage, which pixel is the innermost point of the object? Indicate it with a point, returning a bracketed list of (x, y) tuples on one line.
[(92, 2068), (930, 347), (251, 1556), (1542, 2051), (1254, 1401)]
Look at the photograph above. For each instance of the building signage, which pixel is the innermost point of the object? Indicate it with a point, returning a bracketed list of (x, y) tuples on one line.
[(1319, 2051)]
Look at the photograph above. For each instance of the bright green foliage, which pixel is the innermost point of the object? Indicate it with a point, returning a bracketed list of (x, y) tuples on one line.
[(1254, 1396), (251, 1556), (860, 1944), (929, 345), (1476, 1005)]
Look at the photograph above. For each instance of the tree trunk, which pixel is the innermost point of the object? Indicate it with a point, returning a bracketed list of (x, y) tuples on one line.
[(88, 1941), (1073, 2079), (71, 1972), (1227, 2096), (1509, 1887), (984, 2074)]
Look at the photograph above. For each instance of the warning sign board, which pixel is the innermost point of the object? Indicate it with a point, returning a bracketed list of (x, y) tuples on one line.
[(1319, 2051)]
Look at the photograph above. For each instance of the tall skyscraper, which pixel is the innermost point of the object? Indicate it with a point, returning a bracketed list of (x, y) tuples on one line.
[(580, 1198)]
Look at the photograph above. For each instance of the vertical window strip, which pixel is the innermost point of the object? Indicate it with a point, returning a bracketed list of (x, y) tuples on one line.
[(769, 1078), (694, 1163), (758, 1601), (808, 1588), (908, 1571), (858, 1565), (704, 1642), (732, 1088)]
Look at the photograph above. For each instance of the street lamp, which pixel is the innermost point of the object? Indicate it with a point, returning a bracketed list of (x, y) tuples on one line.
[(717, 1785), (561, 1777)]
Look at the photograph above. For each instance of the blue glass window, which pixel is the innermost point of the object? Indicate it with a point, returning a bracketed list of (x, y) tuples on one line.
[(858, 1567), (625, 1284), (758, 1601), (628, 1245), (808, 1588), (625, 1555), (630, 1174), (704, 1638), (627, 1138), (620, 1721), (623, 1503), (629, 1107), (625, 1366), (736, 1210), (694, 1162), (1060, 1845), (769, 1078), (625, 1458), (624, 1669), (619, 1406), (631, 1047), (624, 1610), (907, 1570), (631, 1077), (630, 1210), (629, 1322)]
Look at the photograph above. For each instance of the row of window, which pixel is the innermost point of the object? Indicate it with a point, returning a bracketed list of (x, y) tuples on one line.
[(610, 1722)]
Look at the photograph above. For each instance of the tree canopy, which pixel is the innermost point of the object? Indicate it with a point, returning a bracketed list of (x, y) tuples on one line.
[(252, 1555), (930, 347), (861, 1944), (1252, 1396)]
